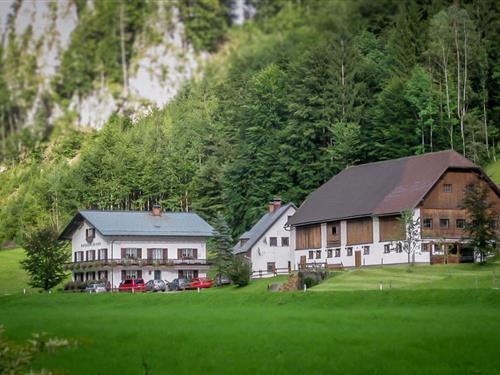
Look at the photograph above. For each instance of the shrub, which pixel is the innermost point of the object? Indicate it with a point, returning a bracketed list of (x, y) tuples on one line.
[(240, 271), (310, 282)]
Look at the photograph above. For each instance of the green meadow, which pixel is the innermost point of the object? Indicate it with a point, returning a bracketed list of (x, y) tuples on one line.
[(433, 320)]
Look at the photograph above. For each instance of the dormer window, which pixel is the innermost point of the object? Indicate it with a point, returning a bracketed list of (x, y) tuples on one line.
[(90, 234)]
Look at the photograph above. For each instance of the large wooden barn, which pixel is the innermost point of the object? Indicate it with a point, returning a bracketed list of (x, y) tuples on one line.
[(352, 220)]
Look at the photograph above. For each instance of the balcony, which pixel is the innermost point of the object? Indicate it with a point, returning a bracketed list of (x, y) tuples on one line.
[(123, 262)]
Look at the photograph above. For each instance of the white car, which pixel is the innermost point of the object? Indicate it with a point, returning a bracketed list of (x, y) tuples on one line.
[(96, 288)]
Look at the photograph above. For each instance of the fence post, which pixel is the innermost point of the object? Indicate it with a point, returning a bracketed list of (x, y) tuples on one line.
[(381, 285), (493, 281), (305, 288)]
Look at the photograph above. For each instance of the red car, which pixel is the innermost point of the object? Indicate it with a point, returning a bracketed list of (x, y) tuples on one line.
[(135, 285), (199, 282)]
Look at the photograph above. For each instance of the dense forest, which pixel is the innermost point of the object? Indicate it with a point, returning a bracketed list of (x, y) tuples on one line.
[(286, 101)]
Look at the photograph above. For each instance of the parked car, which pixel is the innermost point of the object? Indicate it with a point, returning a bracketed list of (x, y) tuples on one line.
[(199, 282), (222, 280), (135, 285), (96, 288), (156, 286), (178, 284)]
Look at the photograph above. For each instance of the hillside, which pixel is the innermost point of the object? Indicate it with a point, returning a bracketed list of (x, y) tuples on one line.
[(493, 170), (282, 103)]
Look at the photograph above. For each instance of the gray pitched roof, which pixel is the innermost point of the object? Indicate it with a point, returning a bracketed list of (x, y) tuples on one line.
[(379, 188), (259, 229), (141, 223)]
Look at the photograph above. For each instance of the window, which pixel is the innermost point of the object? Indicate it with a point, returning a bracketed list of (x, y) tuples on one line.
[(273, 241), (349, 251), (130, 253), (90, 234), (399, 247), (187, 253), (444, 223), (90, 255), (426, 247), (285, 241), (387, 249), (188, 274), (102, 275), (311, 254), (78, 256), (156, 254), (90, 275), (102, 254), (271, 267), (318, 254), (131, 274), (447, 188), (329, 253), (79, 276), (469, 188), (494, 224), (427, 222), (366, 250), (334, 230), (337, 253), (460, 223)]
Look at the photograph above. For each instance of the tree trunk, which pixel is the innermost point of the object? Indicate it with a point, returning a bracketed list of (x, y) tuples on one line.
[(122, 46)]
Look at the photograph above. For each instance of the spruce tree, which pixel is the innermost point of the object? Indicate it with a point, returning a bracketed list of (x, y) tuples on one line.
[(222, 246)]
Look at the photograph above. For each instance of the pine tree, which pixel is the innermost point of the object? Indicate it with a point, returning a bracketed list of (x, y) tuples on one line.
[(482, 216), (222, 246)]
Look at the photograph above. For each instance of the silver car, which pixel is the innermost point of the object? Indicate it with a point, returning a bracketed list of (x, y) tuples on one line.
[(156, 286), (96, 288)]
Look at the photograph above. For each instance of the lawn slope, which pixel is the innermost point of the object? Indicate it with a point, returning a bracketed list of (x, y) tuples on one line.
[(493, 170), (12, 277), (462, 276)]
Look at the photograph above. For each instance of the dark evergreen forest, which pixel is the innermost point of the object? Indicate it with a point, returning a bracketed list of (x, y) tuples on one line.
[(287, 101)]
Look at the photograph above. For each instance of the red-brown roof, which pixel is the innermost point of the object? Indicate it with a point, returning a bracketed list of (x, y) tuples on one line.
[(380, 188)]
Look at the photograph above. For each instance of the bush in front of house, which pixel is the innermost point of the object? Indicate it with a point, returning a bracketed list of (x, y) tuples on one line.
[(310, 282), (239, 271)]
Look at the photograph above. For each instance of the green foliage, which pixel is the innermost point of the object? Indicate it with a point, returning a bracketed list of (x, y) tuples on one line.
[(45, 257), (16, 358), (310, 282), (482, 216), (240, 271), (222, 245)]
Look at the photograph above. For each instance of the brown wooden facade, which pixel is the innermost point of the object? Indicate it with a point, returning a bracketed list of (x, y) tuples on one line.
[(359, 231), (308, 237), (333, 234), (391, 228)]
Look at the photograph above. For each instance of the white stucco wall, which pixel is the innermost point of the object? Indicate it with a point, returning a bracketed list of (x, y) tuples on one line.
[(262, 252), (375, 257), (115, 244)]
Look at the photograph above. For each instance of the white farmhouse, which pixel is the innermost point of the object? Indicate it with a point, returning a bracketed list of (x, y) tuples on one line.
[(115, 245), (267, 245)]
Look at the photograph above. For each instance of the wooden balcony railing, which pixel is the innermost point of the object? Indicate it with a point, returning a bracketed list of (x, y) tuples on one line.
[(133, 262)]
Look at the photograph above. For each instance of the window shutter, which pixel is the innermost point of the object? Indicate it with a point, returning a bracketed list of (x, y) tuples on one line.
[(181, 274), (179, 255), (106, 255), (195, 254), (195, 273), (123, 252), (76, 259), (139, 274), (165, 254), (150, 254), (124, 274), (87, 255), (139, 253)]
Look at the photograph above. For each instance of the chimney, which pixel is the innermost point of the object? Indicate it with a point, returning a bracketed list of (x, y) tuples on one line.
[(274, 205), (156, 210)]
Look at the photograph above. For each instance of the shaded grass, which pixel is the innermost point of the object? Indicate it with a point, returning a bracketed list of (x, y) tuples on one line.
[(390, 332), (493, 170), (463, 276), (12, 277)]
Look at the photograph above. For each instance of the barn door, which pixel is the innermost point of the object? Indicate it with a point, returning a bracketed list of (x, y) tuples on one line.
[(357, 259)]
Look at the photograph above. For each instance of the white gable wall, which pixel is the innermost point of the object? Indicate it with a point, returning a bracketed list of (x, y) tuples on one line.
[(262, 252)]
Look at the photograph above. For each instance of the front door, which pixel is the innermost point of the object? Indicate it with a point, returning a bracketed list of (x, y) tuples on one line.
[(157, 274), (303, 261), (357, 258)]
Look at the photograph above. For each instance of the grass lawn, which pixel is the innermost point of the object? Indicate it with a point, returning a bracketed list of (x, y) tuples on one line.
[(493, 170), (227, 331), (458, 276), (12, 278)]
